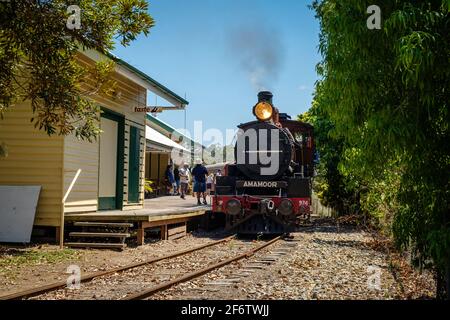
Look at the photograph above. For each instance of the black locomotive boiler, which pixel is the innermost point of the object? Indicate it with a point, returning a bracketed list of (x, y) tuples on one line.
[(268, 188)]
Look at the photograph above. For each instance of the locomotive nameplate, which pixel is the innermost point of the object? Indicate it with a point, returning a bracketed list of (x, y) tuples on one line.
[(261, 184)]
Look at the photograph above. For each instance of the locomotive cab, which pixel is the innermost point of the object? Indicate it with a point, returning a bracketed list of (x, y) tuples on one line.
[(268, 188)]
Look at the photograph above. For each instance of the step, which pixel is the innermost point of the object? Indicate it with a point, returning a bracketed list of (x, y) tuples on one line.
[(95, 245), (103, 224), (99, 234)]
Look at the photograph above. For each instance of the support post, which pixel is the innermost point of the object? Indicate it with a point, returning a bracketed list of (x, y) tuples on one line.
[(164, 232), (140, 234), (58, 235)]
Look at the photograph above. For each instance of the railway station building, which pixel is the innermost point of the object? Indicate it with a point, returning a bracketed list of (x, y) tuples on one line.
[(79, 176)]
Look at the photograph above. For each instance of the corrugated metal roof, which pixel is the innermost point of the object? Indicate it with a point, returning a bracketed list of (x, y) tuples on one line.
[(171, 130), (161, 140)]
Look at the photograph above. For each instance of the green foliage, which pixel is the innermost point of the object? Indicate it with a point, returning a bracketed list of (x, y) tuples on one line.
[(37, 58), (148, 186), (330, 184), (381, 118), (13, 259)]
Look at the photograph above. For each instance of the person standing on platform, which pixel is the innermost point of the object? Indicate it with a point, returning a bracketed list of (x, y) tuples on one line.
[(170, 179), (209, 184), (176, 175), (193, 183), (184, 179), (200, 172)]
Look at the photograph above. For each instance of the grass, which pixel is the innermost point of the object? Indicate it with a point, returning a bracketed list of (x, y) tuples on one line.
[(14, 258)]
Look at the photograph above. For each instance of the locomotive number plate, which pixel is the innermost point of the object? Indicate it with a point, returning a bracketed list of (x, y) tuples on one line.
[(261, 184), (303, 203)]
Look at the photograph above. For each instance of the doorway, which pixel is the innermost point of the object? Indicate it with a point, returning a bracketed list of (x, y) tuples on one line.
[(133, 167), (110, 184)]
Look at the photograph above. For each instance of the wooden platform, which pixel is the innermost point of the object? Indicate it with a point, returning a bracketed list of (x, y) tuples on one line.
[(164, 212), (154, 210), (136, 216)]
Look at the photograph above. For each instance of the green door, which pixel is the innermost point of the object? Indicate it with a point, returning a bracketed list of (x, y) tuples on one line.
[(133, 168)]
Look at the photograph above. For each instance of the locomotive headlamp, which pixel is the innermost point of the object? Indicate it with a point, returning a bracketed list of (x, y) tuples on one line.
[(233, 207), (286, 207), (263, 111)]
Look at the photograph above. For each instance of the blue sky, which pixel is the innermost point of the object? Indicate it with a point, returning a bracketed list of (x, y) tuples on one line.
[(206, 50)]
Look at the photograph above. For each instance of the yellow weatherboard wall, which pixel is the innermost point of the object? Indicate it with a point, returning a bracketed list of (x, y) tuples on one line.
[(34, 158), (81, 155)]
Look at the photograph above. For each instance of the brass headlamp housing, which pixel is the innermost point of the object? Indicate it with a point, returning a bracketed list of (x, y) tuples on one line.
[(263, 111)]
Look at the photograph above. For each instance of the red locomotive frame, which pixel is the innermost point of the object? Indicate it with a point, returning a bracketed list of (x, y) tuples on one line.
[(302, 206)]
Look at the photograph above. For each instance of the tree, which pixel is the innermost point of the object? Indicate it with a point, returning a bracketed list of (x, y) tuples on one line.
[(386, 94), (39, 40), (330, 185)]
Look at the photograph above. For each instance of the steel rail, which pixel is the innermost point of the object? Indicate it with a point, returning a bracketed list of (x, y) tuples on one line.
[(195, 274), (61, 284)]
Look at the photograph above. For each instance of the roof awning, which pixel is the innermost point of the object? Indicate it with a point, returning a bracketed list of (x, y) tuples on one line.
[(160, 142)]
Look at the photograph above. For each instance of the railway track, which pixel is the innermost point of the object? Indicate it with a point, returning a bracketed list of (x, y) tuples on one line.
[(223, 283), (166, 285), (143, 279), (91, 276)]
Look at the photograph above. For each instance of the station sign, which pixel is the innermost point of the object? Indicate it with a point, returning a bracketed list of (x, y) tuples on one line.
[(149, 109)]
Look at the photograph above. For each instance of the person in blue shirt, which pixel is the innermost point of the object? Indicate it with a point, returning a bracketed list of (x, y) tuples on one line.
[(200, 172), (170, 179), (176, 175)]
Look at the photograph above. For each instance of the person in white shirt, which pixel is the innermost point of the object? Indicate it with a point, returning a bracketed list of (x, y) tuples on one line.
[(184, 179), (209, 183)]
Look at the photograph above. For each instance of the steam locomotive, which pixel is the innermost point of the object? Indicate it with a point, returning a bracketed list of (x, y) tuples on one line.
[(267, 190)]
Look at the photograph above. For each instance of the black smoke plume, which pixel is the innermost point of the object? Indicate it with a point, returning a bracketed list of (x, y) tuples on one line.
[(259, 52)]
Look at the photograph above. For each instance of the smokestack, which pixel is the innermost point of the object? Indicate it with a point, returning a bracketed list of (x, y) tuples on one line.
[(265, 96)]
